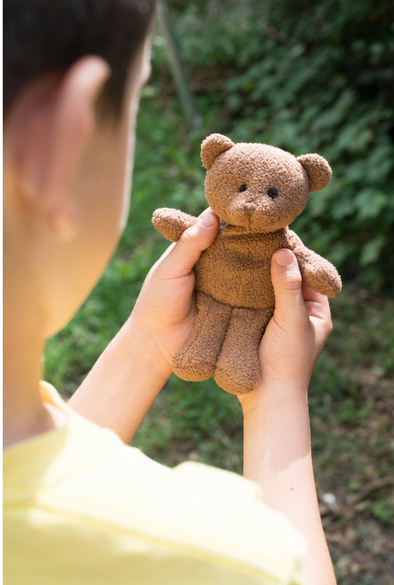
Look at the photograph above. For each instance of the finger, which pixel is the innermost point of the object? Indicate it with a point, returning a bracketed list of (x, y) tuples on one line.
[(287, 282), (311, 295), (319, 313), (317, 304), (193, 241), (203, 213)]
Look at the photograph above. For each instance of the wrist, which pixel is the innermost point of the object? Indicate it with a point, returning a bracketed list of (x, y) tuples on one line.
[(144, 346), (270, 398)]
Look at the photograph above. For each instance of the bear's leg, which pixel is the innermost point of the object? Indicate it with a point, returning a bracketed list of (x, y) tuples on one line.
[(196, 360), (238, 370)]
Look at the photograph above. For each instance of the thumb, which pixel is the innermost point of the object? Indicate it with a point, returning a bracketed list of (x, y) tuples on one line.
[(287, 282), (193, 241)]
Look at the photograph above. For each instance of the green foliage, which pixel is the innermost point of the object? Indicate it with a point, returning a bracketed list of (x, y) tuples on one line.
[(382, 510), (309, 77)]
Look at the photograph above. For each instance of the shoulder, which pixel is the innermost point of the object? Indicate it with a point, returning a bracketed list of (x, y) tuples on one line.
[(195, 514), (205, 513)]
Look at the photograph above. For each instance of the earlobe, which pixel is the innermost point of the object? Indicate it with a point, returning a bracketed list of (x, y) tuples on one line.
[(212, 146), (317, 169), (64, 225)]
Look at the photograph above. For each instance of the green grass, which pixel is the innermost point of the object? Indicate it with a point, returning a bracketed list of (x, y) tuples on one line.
[(352, 390)]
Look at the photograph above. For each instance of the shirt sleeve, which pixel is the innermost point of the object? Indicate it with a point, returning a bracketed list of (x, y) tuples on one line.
[(228, 515)]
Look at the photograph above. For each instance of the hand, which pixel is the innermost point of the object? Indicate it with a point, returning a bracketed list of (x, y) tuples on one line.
[(296, 334), (164, 314), (129, 374)]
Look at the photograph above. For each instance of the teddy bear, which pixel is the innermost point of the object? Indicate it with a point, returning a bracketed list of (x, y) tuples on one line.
[(256, 190)]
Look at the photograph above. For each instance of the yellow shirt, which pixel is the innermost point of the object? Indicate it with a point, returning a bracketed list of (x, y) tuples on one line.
[(82, 508)]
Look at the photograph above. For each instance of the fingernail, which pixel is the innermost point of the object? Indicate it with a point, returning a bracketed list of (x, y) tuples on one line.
[(208, 220), (284, 258)]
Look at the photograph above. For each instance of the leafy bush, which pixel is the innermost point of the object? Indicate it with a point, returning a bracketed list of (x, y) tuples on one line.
[(306, 77)]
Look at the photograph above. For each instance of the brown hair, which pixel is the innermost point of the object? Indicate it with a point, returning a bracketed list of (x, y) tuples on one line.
[(41, 36)]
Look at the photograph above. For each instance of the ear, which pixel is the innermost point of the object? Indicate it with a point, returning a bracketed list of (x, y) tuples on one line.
[(51, 124), (212, 146), (318, 171)]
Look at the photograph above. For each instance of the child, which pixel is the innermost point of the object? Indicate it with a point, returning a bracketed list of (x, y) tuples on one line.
[(79, 505)]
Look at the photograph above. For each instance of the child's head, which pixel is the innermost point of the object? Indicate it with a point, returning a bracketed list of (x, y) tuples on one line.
[(73, 70)]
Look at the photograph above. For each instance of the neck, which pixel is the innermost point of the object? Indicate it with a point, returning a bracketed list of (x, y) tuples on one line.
[(24, 413), (230, 229)]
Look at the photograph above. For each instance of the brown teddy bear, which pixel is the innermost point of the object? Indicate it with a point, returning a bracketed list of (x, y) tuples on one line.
[(257, 191)]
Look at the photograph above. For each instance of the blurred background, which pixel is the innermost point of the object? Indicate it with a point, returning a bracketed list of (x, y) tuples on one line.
[(306, 77)]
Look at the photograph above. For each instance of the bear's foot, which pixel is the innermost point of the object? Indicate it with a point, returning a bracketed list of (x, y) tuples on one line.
[(196, 360), (238, 369)]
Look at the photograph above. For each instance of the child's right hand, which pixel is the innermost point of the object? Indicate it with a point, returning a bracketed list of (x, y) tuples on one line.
[(164, 314)]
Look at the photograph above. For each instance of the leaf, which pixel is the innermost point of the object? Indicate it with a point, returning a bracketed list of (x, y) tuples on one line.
[(381, 510), (370, 203), (371, 250)]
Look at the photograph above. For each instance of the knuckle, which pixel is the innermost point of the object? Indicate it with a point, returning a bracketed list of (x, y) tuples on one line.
[(326, 328), (290, 281), (188, 237)]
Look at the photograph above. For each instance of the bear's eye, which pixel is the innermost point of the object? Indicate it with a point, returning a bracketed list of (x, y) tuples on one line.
[(242, 188), (272, 193)]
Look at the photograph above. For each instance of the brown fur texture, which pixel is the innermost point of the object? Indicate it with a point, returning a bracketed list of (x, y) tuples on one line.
[(172, 222), (257, 191)]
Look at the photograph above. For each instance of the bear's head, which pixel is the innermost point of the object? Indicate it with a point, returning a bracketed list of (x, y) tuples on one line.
[(257, 187)]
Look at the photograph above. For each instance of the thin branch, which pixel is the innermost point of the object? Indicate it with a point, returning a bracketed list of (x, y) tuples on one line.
[(185, 95)]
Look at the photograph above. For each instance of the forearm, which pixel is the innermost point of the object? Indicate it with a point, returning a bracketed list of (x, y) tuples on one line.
[(277, 454), (123, 384)]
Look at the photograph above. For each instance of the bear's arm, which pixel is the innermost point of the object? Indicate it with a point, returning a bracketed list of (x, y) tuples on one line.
[(317, 272), (172, 222)]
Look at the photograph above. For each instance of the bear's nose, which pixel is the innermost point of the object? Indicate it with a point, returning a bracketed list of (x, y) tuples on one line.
[(249, 209)]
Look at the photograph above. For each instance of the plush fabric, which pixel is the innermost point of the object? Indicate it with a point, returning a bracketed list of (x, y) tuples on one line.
[(257, 190)]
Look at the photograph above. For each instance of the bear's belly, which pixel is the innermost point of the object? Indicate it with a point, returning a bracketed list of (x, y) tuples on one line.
[(236, 269)]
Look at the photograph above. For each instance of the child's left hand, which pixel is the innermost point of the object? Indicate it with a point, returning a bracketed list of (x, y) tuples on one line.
[(129, 374), (165, 311)]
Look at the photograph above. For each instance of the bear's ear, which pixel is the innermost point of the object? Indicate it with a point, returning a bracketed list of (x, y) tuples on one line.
[(212, 146), (318, 171)]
